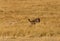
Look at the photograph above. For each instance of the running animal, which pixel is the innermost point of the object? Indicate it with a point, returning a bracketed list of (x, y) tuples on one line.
[(34, 21)]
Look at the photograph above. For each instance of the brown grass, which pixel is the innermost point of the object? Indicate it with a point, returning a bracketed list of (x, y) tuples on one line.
[(14, 15)]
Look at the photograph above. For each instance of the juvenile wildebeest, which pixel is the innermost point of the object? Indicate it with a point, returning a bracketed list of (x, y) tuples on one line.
[(34, 21)]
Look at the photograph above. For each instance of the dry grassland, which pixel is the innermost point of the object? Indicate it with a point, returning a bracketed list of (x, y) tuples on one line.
[(14, 15)]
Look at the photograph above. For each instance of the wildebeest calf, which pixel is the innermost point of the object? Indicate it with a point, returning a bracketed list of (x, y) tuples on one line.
[(34, 21)]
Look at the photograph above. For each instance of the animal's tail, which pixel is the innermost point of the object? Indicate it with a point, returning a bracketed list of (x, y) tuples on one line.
[(32, 22), (29, 20)]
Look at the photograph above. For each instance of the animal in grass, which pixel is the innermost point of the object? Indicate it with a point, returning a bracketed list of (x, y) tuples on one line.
[(34, 21)]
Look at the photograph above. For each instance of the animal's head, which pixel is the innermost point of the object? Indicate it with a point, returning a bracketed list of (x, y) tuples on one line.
[(37, 19)]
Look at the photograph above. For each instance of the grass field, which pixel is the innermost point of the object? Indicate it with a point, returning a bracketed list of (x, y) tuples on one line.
[(14, 15)]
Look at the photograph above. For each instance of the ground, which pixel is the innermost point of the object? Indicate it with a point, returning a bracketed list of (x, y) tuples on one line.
[(14, 15)]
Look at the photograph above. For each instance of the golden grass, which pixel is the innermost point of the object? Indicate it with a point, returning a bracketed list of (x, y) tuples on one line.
[(14, 17)]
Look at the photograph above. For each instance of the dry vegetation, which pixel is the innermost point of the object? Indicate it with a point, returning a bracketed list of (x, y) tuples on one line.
[(14, 15)]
